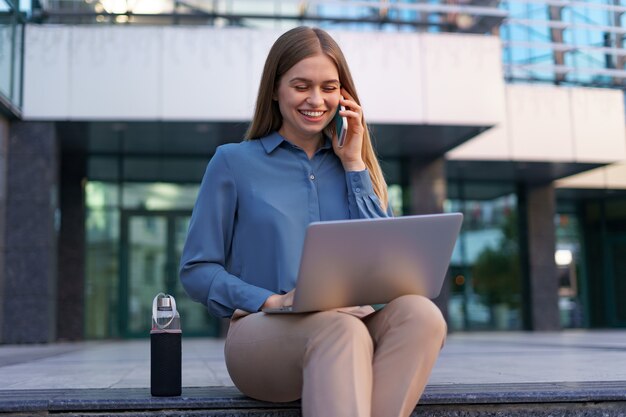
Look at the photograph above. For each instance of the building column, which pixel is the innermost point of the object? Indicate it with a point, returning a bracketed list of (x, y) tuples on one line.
[(71, 272), (541, 286), (618, 43), (4, 140), (30, 238), (556, 36), (427, 194)]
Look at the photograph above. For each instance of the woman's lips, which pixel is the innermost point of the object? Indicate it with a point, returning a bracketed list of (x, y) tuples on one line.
[(313, 115)]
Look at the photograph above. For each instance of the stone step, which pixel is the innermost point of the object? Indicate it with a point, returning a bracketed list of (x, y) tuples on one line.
[(584, 399)]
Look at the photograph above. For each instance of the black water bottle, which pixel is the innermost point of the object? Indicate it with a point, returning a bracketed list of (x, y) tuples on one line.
[(165, 348)]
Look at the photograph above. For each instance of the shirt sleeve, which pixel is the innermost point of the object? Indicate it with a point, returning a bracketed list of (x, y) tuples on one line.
[(363, 202), (203, 271)]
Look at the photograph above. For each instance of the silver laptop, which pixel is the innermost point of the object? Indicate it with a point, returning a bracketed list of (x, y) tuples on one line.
[(373, 261)]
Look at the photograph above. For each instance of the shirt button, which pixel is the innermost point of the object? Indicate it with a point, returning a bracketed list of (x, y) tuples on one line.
[(357, 189), (312, 177)]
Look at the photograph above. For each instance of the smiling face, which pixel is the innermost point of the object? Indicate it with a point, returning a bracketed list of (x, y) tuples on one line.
[(308, 96)]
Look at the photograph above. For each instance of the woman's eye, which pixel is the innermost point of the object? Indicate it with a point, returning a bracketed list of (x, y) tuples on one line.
[(301, 87), (330, 88)]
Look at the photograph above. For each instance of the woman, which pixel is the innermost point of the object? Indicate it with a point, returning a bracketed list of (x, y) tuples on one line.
[(246, 234)]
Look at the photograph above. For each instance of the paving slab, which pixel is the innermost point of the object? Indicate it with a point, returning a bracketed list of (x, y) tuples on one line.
[(467, 359)]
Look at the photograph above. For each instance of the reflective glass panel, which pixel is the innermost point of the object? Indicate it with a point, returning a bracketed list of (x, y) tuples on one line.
[(6, 51), (485, 267), (568, 259), (147, 272), (102, 273), (16, 98), (159, 196), (102, 194), (155, 244)]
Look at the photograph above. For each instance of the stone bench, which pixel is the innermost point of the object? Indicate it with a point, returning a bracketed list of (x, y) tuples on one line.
[(588, 399)]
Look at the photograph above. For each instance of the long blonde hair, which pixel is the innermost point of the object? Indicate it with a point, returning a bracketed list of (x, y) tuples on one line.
[(289, 49)]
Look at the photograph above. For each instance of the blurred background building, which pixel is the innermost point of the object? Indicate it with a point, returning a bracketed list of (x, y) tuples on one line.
[(511, 112)]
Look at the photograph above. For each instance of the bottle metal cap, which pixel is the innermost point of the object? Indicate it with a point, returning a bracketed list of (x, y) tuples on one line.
[(164, 303)]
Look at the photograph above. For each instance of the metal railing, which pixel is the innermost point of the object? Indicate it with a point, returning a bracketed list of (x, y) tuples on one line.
[(584, 41), (414, 15)]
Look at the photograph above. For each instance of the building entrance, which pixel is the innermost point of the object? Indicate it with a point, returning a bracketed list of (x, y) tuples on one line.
[(151, 246)]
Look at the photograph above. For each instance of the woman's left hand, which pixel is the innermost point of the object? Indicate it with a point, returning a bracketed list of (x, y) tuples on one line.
[(350, 153)]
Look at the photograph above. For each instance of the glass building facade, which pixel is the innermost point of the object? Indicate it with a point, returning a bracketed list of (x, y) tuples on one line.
[(543, 41), (135, 234), (565, 42), (140, 190)]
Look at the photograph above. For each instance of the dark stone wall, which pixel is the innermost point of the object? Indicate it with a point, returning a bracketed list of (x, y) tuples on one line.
[(30, 238), (543, 285), (428, 192), (4, 140), (71, 273)]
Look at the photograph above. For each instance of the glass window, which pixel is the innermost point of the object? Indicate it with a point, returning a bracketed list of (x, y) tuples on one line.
[(102, 194), (16, 97), (568, 260), (170, 169), (586, 38), (102, 273), (10, 53), (395, 199), (485, 267), (528, 49), (105, 202), (146, 269), (6, 52), (25, 6), (103, 168), (585, 30), (159, 196)]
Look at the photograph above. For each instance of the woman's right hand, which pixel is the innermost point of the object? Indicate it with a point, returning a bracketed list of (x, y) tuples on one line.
[(279, 300)]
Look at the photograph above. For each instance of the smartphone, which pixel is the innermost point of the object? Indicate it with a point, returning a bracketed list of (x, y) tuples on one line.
[(341, 126)]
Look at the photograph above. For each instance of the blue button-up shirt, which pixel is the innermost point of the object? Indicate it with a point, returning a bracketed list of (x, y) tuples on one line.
[(248, 225)]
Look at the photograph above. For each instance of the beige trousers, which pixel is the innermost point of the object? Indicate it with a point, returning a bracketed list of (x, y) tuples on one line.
[(339, 363)]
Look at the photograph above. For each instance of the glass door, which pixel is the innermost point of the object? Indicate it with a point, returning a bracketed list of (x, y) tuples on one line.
[(152, 244)]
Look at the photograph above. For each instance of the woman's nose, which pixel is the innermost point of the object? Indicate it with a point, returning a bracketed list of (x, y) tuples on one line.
[(315, 98)]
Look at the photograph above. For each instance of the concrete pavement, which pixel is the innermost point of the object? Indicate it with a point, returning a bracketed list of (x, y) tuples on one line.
[(467, 358)]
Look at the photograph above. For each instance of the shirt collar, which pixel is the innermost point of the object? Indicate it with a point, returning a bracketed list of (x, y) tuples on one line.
[(273, 141), (327, 143)]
